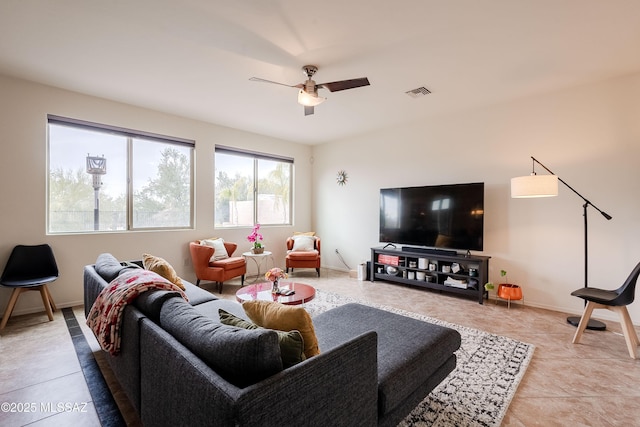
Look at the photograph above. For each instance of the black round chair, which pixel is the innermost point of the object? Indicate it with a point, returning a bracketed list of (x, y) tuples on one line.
[(29, 268), (616, 300)]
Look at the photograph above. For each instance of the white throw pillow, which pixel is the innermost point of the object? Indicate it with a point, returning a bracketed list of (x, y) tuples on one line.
[(303, 243), (220, 251)]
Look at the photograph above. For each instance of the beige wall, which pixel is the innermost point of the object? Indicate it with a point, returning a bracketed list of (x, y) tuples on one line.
[(588, 135), (23, 117)]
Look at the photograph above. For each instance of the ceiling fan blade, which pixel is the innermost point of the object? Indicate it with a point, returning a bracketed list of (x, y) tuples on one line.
[(308, 110), (258, 79), (345, 84)]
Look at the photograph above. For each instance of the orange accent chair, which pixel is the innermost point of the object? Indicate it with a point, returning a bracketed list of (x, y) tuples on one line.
[(303, 258), (216, 271)]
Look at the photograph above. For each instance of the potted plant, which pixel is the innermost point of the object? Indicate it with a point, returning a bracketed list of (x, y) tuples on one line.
[(255, 238), (507, 290)]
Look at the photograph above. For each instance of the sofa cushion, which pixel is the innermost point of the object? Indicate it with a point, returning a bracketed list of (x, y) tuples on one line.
[(303, 256), (410, 351), (229, 263), (240, 356), (108, 267), (162, 267), (273, 315), (291, 343), (211, 309), (220, 251), (196, 294), (150, 302)]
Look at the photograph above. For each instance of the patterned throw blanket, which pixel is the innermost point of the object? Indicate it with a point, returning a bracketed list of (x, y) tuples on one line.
[(105, 317)]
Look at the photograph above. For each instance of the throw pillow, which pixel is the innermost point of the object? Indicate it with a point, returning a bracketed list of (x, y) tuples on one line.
[(163, 268), (273, 315), (291, 343), (303, 243), (220, 252), (304, 233)]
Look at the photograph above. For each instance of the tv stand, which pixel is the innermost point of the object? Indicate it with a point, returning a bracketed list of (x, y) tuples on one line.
[(432, 269)]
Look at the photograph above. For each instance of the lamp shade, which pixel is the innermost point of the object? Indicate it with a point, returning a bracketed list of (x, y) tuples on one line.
[(309, 100), (534, 186)]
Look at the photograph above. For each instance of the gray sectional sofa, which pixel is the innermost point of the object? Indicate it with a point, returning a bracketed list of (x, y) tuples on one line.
[(179, 366)]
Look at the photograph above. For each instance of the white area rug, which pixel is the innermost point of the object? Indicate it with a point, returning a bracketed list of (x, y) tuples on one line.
[(479, 391)]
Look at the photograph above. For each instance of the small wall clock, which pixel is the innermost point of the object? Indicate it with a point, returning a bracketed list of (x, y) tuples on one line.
[(341, 178)]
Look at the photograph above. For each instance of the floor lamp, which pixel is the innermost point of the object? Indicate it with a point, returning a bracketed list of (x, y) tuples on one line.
[(547, 186)]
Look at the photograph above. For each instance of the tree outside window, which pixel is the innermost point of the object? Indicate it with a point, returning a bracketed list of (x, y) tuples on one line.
[(158, 193), (251, 188)]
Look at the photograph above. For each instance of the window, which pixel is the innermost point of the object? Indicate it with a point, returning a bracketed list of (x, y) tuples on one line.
[(103, 178), (252, 188)]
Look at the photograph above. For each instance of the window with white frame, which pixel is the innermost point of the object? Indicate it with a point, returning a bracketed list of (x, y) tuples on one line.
[(103, 178), (252, 188)]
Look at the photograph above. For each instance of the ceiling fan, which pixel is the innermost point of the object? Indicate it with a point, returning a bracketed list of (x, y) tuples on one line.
[(308, 94)]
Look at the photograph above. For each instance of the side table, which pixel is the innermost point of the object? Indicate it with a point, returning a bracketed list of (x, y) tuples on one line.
[(259, 259)]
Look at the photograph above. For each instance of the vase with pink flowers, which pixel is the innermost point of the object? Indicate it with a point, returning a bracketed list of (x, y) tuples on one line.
[(274, 275)]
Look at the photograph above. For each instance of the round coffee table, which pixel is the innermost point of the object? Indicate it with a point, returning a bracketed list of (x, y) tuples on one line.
[(262, 291)]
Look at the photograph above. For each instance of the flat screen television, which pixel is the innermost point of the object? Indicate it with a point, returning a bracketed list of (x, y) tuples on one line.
[(436, 216)]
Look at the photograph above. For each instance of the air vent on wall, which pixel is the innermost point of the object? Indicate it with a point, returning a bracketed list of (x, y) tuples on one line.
[(417, 93)]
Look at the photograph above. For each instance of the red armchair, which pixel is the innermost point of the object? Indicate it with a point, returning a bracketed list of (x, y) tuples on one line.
[(303, 253), (216, 271)]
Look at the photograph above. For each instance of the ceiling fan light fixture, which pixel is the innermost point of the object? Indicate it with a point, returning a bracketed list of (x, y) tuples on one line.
[(309, 100)]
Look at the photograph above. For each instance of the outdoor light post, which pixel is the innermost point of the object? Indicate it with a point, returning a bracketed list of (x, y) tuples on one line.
[(96, 167)]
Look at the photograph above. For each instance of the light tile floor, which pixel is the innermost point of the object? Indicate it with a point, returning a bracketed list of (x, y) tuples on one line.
[(594, 383)]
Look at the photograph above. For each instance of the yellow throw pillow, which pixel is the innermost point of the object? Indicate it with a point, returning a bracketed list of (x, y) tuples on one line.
[(273, 315), (304, 233), (163, 268)]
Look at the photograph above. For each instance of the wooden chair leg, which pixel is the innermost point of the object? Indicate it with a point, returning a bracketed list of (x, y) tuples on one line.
[(45, 302), (12, 303), (584, 320), (628, 331), (50, 298)]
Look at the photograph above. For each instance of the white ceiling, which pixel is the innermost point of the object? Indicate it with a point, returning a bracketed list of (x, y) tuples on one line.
[(194, 58)]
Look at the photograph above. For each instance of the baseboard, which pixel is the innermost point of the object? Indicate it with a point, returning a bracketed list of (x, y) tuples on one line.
[(40, 308), (602, 315)]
